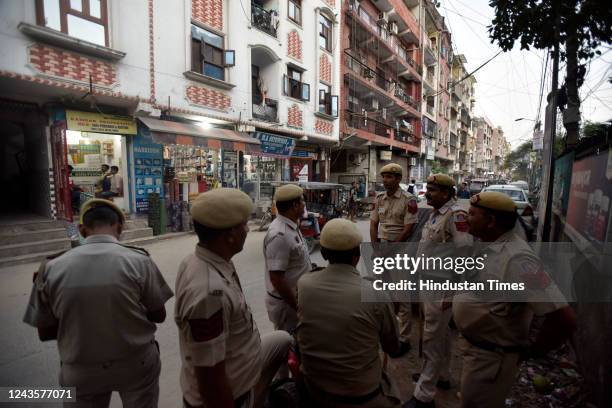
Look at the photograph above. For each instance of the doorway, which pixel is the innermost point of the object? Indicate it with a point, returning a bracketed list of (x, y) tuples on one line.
[(24, 167)]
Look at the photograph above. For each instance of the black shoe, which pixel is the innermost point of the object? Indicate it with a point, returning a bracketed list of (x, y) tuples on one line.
[(442, 384), (415, 403)]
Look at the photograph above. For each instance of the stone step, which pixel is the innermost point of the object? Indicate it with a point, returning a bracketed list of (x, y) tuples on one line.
[(49, 245), (32, 236), (136, 233), (17, 228), (24, 259)]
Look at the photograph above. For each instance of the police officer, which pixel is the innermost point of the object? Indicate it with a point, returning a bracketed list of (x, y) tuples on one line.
[(393, 220), (495, 333), (339, 335), (447, 223), (395, 210), (287, 257), (225, 363), (101, 301)]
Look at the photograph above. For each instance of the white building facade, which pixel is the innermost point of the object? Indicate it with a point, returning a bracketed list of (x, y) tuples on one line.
[(220, 92)]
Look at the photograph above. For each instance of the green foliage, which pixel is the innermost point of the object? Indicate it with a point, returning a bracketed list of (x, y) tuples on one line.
[(593, 129), (517, 161), (531, 22)]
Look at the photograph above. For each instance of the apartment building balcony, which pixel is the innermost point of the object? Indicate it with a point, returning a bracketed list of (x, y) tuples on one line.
[(264, 20), (408, 27), (381, 133), (431, 55), (265, 69), (266, 109), (396, 99), (392, 53)]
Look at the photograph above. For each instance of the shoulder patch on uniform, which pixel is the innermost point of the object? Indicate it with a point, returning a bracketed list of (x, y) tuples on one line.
[(135, 248), (461, 223), (532, 273), (413, 206), (207, 329)]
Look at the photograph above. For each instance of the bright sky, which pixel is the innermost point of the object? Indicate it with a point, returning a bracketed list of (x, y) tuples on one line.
[(507, 88)]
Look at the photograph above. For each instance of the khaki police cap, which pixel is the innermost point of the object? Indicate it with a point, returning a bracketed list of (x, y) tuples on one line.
[(392, 168), (340, 235), (440, 179), (288, 192), (493, 200), (100, 202), (222, 208)]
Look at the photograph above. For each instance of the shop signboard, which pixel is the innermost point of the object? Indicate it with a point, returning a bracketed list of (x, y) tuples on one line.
[(562, 182), (590, 196), (148, 162), (275, 145), (385, 155), (100, 123)]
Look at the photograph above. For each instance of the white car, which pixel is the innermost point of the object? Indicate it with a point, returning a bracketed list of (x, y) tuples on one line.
[(522, 184), (519, 196)]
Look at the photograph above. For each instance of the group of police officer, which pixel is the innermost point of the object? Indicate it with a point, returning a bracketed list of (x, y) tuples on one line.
[(101, 302)]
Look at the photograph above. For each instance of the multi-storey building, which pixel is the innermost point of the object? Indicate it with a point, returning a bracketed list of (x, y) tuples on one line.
[(498, 147), (381, 92), (207, 92), (484, 147), (462, 105)]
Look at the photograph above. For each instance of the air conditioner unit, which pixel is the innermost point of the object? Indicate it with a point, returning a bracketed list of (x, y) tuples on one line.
[(393, 27), (368, 73)]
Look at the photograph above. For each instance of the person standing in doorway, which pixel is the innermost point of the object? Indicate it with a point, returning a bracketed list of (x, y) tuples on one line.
[(116, 182), (103, 183)]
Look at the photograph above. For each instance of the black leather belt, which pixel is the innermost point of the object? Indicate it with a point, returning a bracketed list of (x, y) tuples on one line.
[(342, 399), (274, 296), (485, 345)]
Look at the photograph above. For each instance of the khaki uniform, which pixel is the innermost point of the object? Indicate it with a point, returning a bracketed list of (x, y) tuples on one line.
[(487, 376), (98, 295), (339, 338), (284, 250), (393, 213), (216, 325), (448, 224)]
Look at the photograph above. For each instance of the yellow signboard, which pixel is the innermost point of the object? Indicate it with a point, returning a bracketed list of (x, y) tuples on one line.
[(100, 123)]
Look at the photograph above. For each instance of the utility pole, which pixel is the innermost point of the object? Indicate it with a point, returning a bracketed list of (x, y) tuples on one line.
[(546, 227)]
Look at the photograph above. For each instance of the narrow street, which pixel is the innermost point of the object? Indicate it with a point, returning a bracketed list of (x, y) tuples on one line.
[(27, 361)]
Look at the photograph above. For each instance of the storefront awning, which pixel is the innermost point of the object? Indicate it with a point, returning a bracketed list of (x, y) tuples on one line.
[(168, 132)]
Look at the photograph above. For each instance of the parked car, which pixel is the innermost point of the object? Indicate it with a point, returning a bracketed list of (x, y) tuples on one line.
[(519, 196), (522, 184)]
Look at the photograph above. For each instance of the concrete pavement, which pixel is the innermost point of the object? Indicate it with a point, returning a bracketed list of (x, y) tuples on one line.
[(25, 361)]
